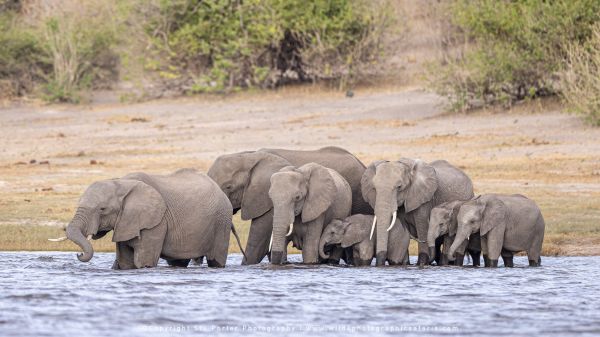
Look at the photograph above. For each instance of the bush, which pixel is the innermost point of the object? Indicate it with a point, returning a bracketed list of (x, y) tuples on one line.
[(214, 45), (514, 50), (581, 79)]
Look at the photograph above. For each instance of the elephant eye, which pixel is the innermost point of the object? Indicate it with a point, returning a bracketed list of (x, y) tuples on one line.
[(102, 209), (228, 187), (297, 197)]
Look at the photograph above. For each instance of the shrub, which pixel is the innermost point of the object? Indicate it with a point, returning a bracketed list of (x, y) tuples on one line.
[(216, 45), (581, 79), (513, 49)]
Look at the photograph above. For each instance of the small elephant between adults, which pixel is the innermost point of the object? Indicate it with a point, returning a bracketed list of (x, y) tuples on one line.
[(353, 235), (409, 189), (507, 224), (304, 199), (177, 217)]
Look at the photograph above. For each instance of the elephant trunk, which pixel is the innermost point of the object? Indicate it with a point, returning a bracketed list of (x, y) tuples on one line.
[(431, 237), (75, 233), (283, 217), (461, 236), (384, 212), (322, 243)]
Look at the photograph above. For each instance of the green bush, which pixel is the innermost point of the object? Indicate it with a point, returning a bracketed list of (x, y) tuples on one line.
[(214, 45), (514, 49), (581, 78)]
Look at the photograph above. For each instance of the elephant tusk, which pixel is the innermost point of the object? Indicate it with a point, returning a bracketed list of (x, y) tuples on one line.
[(58, 239), (291, 229), (271, 242), (373, 227), (89, 237), (393, 220)]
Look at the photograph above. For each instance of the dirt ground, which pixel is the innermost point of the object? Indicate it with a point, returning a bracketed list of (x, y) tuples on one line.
[(49, 154)]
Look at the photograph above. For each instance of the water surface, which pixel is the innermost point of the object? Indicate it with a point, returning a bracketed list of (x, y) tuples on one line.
[(53, 294)]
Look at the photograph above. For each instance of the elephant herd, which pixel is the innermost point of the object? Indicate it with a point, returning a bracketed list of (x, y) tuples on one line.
[(326, 202)]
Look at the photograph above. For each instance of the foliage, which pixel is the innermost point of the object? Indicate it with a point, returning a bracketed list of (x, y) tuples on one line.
[(581, 78), (514, 50), (223, 45)]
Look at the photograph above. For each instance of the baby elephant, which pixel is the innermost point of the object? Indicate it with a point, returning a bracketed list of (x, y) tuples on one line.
[(353, 234), (443, 222), (506, 224), (177, 217)]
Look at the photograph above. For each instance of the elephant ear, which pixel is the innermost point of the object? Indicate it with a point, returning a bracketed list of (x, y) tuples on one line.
[(494, 213), (142, 207), (423, 184), (321, 191), (256, 201), (366, 183), (355, 233), (453, 228)]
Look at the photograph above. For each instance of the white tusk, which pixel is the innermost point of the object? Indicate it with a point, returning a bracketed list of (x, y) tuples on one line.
[(271, 242), (373, 227), (89, 237), (393, 220), (291, 229), (58, 240)]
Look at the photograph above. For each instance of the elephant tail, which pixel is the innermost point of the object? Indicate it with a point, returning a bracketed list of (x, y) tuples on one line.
[(237, 238)]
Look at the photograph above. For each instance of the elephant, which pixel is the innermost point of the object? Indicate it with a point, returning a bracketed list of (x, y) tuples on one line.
[(177, 217), (409, 189), (443, 223), (352, 235), (245, 179), (507, 224), (304, 199)]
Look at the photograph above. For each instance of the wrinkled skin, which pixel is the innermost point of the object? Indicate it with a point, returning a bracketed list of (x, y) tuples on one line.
[(305, 198), (443, 223), (352, 235), (245, 179), (507, 224), (176, 217), (411, 188)]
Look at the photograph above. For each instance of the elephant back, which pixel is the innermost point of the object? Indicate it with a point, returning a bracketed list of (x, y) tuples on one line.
[(453, 183)]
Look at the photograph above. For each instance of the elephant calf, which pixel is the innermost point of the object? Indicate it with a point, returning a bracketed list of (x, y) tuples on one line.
[(177, 217), (507, 224), (443, 223), (353, 235)]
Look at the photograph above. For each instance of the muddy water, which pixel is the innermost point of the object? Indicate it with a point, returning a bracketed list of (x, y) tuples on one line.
[(53, 294)]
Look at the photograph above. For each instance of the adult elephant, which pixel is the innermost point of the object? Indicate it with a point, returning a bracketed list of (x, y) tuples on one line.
[(245, 179), (304, 199), (176, 217), (411, 188)]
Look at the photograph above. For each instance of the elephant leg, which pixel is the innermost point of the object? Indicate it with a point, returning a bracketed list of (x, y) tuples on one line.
[(421, 219), (198, 261), (494, 246), (259, 236), (438, 250), (124, 258), (335, 256), (484, 251), (507, 257), (148, 246), (178, 263), (476, 256), (535, 251), (221, 240), (459, 259), (310, 246)]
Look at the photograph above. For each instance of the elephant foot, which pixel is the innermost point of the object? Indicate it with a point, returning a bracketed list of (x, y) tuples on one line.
[(215, 264), (476, 257), (276, 257), (396, 263), (486, 261), (362, 263), (183, 263), (444, 261), (508, 262), (459, 259), (423, 259), (381, 257), (533, 263), (115, 265), (493, 263)]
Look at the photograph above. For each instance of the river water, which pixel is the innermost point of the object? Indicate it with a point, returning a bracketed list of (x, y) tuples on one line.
[(53, 294)]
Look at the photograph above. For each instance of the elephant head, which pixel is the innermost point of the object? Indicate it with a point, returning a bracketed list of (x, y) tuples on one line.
[(245, 179), (342, 232), (442, 220), (307, 191), (387, 185), (123, 205), (478, 215)]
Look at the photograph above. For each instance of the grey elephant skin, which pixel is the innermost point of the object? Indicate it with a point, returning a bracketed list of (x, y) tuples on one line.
[(353, 236), (411, 188), (177, 217), (507, 224), (304, 199), (245, 179), (443, 223)]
